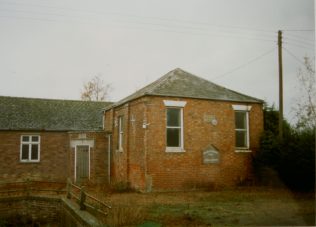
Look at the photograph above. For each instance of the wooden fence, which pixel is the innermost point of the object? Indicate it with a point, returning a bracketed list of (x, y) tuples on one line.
[(86, 200), (49, 188)]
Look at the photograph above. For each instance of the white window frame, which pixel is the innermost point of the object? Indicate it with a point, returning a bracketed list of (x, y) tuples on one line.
[(176, 105), (120, 133), (172, 103), (30, 143), (244, 109)]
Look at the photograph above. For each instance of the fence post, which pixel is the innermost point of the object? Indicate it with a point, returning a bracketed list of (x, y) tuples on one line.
[(68, 188), (82, 199), (28, 189)]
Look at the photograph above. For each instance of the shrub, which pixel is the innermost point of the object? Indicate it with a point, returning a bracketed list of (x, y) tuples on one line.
[(293, 158), (297, 163)]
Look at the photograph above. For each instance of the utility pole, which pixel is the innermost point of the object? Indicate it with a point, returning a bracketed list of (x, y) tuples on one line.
[(280, 86)]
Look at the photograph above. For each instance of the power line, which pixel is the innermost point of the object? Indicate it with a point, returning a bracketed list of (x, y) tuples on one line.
[(300, 46), (32, 12), (143, 17), (245, 64), (165, 28), (156, 18), (296, 58), (299, 41), (180, 24), (30, 18), (299, 30), (190, 28), (301, 37)]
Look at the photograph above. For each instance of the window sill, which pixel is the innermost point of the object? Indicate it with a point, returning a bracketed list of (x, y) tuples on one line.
[(27, 161), (241, 150), (175, 150)]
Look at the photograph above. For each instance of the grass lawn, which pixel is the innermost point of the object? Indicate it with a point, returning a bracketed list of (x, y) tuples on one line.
[(242, 206)]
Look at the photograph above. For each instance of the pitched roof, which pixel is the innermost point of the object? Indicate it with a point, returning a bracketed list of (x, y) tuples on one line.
[(179, 83), (50, 114)]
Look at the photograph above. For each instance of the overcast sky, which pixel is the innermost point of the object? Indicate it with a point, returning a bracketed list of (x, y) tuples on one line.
[(48, 49)]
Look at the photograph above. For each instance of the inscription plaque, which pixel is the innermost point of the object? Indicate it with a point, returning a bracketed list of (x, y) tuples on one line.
[(210, 155)]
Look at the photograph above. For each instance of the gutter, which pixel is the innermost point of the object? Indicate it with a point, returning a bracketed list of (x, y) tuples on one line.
[(255, 100)]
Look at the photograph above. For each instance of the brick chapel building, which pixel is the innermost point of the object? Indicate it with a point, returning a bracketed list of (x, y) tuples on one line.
[(183, 132), (180, 132)]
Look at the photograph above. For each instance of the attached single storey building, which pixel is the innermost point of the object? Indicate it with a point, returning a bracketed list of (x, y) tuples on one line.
[(183, 132), (44, 139), (180, 132)]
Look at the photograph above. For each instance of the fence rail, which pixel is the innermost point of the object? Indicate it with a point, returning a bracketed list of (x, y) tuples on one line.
[(50, 188), (81, 197)]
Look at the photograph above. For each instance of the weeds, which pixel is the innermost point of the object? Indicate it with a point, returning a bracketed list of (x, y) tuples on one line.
[(126, 215)]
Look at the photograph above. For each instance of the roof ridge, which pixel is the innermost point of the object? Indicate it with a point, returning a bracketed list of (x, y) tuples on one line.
[(161, 80), (49, 99), (220, 86), (143, 91), (198, 77), (183, 87)]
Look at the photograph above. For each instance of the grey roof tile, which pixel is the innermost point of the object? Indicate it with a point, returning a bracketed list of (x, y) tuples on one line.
[(50, 114), (179, 83)]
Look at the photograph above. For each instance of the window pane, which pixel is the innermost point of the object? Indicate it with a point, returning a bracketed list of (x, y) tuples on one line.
[(240, 120), (173, 137), (25, 152), (121, 124), (25, 138), (34, 153), (241, 139), (121, 140), (35, 138), (173, 117)]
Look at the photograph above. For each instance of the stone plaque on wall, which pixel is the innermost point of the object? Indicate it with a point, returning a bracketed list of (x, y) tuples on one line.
[(207, 118), (210, 155), (82, 136), (210, 119)]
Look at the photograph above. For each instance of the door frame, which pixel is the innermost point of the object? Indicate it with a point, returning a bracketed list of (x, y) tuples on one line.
[(75, 166)]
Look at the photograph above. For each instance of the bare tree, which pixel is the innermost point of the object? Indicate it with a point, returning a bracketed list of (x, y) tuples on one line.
[(305, 109), (95, 90)]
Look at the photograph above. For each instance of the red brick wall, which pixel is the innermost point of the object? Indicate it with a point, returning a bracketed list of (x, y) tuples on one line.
[(128, 165), (108, 120), (53, 157), (56, 157), (150, 167), (136, 150), (119, 157), (186, 170)]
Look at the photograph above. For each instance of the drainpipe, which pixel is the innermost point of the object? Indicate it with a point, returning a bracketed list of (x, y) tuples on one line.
[(145, 146), (108, 137), (127, 145), (111, 142), (109, 157)]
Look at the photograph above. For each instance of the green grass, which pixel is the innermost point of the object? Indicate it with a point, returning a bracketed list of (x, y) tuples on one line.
[(240, 207)]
